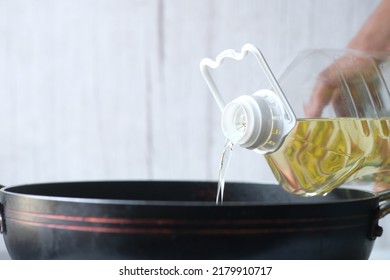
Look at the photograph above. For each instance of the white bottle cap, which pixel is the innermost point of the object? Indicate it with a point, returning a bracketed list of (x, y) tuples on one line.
[(256, 122)]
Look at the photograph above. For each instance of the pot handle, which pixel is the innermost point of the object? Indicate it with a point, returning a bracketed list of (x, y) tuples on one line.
[(384, 209)]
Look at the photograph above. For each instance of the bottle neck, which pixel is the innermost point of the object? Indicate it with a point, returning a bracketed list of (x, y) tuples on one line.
[(256, 122)]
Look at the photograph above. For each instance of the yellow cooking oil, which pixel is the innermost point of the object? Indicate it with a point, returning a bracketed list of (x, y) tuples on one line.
[(319, 155)]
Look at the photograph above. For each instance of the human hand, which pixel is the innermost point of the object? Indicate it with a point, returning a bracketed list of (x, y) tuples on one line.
[(352, 85)]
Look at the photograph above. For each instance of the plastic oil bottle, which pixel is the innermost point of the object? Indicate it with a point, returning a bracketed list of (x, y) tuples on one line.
[(324, 123)]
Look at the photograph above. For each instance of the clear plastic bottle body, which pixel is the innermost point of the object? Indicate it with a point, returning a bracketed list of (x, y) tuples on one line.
[(342, 103), (324, 121), (322, 154)]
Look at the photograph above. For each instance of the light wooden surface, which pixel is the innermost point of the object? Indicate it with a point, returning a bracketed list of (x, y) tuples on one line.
[(102, 89)]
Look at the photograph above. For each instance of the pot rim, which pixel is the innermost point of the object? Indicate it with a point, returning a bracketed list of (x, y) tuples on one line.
[(8, 191)]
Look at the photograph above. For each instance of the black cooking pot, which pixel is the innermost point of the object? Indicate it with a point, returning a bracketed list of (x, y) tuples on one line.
[(180, 220)]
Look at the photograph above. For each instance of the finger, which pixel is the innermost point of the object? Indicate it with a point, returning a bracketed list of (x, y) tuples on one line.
[(381, 187), (321, 97), (326, 84), (339, 105)]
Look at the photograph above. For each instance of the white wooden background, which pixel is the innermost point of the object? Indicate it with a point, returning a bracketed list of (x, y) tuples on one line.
[(111, 89)]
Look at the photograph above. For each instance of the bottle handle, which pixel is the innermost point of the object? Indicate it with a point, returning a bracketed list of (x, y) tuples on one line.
[(239, 55)]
